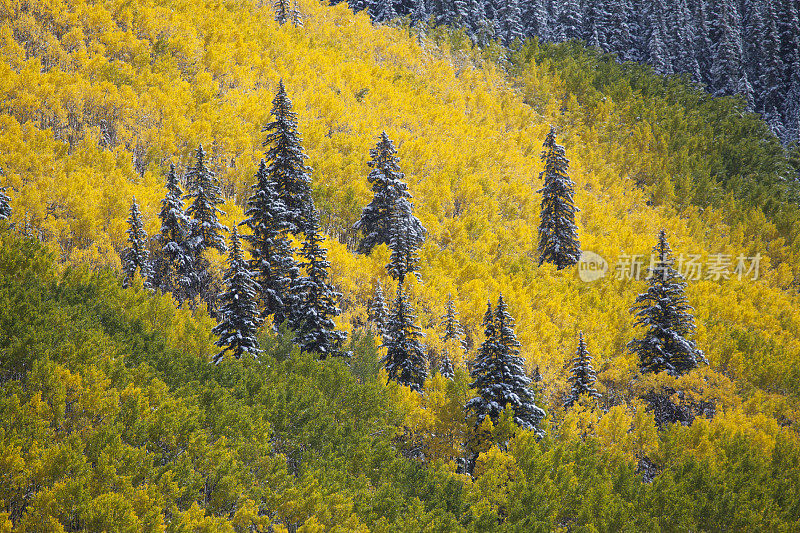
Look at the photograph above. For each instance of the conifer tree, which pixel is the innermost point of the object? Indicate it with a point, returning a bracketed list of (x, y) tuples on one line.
[(581, 375), (499, 375), (388, 188), (377, 312), (450, 324), (286, 162), (174, 270), (297, 16), (405, 358), (282, 11), (315, 299), (665, 312), (446, 367), (404, 241), (272, 261), (205, 193), (135, 256), (558, 235), (381, 10), (5, 201), (238, 314)]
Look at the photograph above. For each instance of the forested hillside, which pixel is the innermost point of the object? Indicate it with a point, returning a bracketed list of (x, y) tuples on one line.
[(749, 48), (114, 416)]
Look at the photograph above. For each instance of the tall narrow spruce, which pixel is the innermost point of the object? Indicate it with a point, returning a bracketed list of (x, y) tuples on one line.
[(666, 314)]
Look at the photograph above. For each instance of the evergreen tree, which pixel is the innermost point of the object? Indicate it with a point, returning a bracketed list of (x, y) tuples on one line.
[(282, 11), (297, 17), (377, 312), (665, 312), (5, 202), (535, 19), (582, 375), (512, 22), (450, 324), (272, 261), (499, 375), (381, 10), (726, 70), (558, 236), (405, 358), (135, 256), (175, 265), (206, 195), (315, 299), (388, 188), (570, 25), (446, 367), (285, 162), (238, 317), (404, 241)]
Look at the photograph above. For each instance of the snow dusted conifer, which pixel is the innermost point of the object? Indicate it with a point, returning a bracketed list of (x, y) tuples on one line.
[(297, 16), (377, 312), (314, 304), (665, 312), (286, 162), (570, 24), (282, 11), (136, 256), (272, 261), (405, 360), (175, 264), (581, 375), (453, 331), (499, 375), (726, 70), (381, 10), (446, 367), (238, 314), (205, 194), (5, 202), (404, 241), (558, 235), (388, 188)]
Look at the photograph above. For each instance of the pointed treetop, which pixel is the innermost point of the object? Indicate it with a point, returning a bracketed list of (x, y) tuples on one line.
[(582, 375), (238, 315), (558, 234), (666, 313)]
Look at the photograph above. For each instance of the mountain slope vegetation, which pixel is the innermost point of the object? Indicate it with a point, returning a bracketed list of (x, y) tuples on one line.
[(100, 98)]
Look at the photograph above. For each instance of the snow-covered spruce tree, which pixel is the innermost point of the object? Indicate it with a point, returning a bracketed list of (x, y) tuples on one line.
[(665, 312), (135, 257), (314, 304), (205, 195), (238, 314), (377, 314), (381, 10), (404, 241), (388, 187), (285, 162), (272, 262), (451, 327), (558, 235), (582, 375), (405, 360), (174, 269), (446, 367), (499, 375), (5, 202), (297, 16), (282, 11)]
